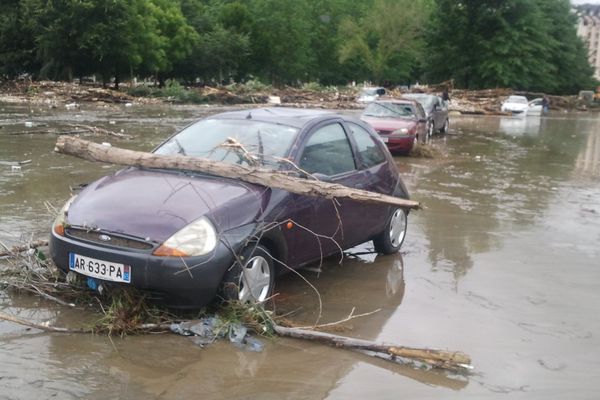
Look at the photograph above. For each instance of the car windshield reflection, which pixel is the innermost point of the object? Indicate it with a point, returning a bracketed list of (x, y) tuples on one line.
[(241, 142)]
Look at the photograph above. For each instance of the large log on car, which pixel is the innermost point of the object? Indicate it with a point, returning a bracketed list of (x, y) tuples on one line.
[(277, 180)]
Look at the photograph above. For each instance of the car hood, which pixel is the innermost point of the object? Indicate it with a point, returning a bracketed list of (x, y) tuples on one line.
[(389, 124), (154, 204)]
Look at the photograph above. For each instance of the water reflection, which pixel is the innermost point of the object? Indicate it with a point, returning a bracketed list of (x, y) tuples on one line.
[(496, 185), (588, 160), (520, 126)]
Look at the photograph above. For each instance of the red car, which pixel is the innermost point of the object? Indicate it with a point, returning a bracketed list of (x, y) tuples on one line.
[(400, 123)]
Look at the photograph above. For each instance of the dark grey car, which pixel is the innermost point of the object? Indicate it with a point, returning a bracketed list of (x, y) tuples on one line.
[(437, 111)]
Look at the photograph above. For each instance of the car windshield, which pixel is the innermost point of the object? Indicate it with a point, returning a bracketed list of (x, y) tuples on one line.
[(517, 99), (240, 142), (389, 110)]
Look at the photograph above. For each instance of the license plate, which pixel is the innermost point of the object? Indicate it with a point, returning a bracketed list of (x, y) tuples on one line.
[(100, 269), (385, 139)]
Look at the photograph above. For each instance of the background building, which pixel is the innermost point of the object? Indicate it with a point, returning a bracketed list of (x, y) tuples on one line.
[(588, 29)]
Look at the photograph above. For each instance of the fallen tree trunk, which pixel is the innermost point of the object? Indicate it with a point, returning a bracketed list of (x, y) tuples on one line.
[(97, 152), (455, 361)]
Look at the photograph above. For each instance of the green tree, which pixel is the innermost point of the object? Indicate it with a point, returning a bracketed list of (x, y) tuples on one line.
[(280, 40), (325, 40), (524, 44), (566, 52), (388, 40), (18, 30), (166, 38)]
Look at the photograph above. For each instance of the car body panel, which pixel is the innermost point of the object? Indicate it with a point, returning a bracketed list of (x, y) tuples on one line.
[(535, 107), (515, 105), (388, 128), (434, 107), (141, 208), (369, 94), (122, 203)]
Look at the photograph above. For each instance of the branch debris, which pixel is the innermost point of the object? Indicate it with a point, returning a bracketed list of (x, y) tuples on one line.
[(269, 178)]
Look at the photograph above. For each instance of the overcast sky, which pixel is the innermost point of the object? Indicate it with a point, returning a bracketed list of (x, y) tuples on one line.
[(585, 1)]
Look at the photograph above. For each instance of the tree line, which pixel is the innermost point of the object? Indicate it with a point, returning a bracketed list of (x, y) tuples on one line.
[(523, 44)]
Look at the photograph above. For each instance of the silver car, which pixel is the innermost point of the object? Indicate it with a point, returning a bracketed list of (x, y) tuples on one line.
[(436, 110)]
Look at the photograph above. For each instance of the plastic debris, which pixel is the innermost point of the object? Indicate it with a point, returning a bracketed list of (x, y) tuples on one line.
[(206, 330), (237, 333)]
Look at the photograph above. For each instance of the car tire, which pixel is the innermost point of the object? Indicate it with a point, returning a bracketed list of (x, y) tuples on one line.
[(390, 240), (446, 126), (251, 278)]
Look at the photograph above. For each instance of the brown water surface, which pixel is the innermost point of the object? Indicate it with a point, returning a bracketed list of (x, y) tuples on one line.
[(502, 264)]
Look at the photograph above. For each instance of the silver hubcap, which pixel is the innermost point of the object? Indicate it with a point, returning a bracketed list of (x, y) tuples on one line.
[(255, 280), (397, 227)]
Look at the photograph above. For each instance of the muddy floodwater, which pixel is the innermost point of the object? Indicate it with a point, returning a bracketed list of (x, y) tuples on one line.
[(503, 264)]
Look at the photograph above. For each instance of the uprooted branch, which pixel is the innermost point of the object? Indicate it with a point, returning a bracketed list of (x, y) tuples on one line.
[(278, 180), (455, 361)]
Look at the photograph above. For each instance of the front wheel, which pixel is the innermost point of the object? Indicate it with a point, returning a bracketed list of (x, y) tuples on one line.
[(390, 240), (251, 278)]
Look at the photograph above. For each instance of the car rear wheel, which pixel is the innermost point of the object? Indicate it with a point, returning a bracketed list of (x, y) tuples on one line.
[(445, 127), (390, 240), (251, 279)]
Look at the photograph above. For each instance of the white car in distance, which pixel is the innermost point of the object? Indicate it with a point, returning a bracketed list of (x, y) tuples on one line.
[(516, 105)]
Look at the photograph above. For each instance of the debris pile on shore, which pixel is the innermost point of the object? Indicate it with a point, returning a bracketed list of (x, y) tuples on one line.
[(483, 102)]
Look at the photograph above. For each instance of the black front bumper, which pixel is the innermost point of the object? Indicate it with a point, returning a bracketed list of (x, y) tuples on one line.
[(185, 282)]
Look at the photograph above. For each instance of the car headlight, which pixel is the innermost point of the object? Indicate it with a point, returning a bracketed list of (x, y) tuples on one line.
[(402, 131), (195, 239), (61, 219)]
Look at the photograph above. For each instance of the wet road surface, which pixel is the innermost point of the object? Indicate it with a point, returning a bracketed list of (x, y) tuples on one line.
[(503, 264)]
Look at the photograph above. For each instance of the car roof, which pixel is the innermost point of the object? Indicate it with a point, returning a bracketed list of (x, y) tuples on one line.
[(294, 117), (396, 101), (418, 95)]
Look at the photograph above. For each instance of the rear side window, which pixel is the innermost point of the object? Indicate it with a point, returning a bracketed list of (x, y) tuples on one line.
[(328, 152), (370, 153)]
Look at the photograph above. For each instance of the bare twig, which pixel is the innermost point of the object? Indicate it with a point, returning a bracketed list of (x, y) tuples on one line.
[(8, 251), (43, 326), (350, 317)]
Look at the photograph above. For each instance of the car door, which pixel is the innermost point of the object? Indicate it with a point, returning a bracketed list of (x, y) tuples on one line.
[(422, 121), (320, 223), (376, 175)]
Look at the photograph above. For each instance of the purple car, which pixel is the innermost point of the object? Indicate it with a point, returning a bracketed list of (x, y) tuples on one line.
[(187, 237)]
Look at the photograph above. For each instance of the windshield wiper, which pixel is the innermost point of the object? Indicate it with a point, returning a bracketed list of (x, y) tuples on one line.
[(180, 147)]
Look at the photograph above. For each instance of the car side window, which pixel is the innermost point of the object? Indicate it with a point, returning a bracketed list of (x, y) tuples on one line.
[(370, 153), (328, 152)]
